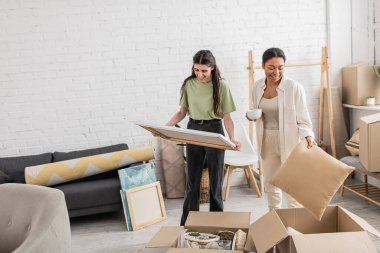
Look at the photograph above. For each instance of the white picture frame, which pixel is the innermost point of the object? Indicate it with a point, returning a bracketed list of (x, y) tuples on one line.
[(146, 205), (190, 136)]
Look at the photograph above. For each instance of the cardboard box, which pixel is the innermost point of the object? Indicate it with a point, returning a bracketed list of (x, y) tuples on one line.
[(339, 231), (205, 222), (369, 144), (358, 82)]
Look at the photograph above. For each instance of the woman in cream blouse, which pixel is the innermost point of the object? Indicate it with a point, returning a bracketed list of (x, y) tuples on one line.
[(284, 122)]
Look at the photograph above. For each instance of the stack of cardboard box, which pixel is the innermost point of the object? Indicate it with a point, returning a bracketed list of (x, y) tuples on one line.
[(369, 144), (358, 82)]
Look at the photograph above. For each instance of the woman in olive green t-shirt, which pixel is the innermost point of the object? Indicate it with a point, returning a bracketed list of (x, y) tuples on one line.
[(206, 98)]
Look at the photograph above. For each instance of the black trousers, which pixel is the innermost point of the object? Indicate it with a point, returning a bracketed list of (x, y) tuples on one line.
[(195, 157)]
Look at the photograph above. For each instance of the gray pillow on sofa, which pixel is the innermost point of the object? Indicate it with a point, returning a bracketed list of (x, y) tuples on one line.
[(62, 156), (14, 167)]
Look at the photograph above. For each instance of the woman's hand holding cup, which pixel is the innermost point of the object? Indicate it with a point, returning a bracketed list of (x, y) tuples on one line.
[(254, 114)]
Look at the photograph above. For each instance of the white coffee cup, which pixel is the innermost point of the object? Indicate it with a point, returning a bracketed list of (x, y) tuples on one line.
[(254, 114)]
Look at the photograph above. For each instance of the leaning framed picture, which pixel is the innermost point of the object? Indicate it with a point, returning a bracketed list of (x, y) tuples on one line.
[(137, 175), (146, 205), (128, 221)]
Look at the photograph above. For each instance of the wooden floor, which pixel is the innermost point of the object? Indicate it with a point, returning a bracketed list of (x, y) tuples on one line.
[(107, 232)]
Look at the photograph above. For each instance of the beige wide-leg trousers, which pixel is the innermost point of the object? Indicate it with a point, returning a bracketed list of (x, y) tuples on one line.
[(271, 159)]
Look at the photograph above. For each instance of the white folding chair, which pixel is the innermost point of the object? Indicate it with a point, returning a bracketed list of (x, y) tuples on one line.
[(246, 159)]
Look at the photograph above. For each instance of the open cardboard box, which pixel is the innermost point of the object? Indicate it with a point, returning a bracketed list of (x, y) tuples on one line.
[(339, 231), (205, 222)]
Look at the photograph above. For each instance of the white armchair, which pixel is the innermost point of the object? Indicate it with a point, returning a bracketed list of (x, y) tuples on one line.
[(33, 219)]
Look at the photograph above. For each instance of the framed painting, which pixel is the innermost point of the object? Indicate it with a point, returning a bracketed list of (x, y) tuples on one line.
[(137, 175), (128, 221), (195, 137), (146, 205)]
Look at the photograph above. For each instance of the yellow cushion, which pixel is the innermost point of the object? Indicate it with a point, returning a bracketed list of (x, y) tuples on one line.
[(63, 171), (312, 177)]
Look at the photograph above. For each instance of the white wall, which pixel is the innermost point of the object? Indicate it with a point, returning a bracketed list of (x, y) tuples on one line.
[(339, 37), (78, 74), (350, 34), (362, 31), (377, 30)]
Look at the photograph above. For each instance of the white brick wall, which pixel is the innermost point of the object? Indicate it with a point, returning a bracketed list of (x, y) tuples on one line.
[(78, 74)]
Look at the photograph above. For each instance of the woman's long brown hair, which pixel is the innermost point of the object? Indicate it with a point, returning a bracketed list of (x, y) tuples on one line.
[(205, 57)]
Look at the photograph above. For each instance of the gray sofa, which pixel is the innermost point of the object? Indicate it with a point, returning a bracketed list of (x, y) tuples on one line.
[(91, 195)]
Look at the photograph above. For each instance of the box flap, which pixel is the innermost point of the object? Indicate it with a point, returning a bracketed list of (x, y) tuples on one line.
[(165, 237), (230, 220), (249, 244), (362, 223), (350, 242), (188, 250), (371, 118), (267, 231), (286, 246)]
